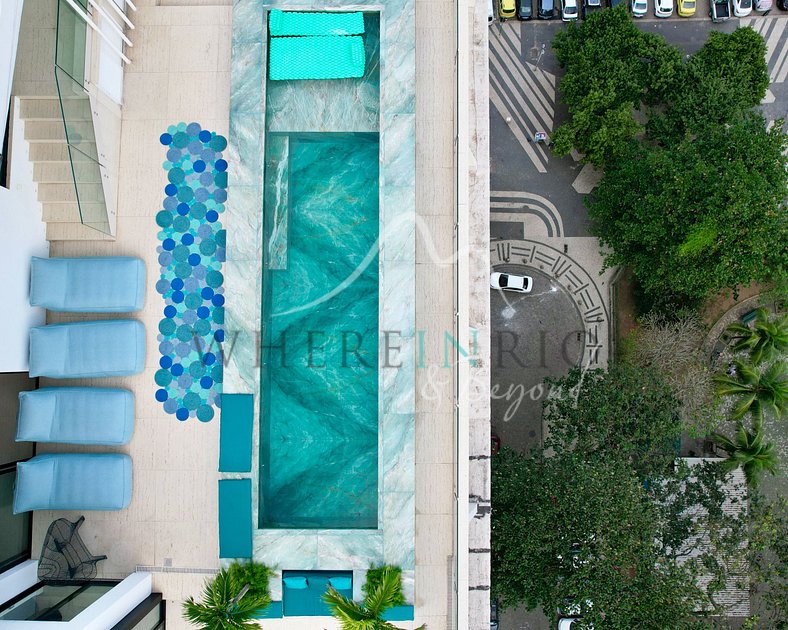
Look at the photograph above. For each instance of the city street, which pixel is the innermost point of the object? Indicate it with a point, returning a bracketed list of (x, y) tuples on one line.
[(539, 224)]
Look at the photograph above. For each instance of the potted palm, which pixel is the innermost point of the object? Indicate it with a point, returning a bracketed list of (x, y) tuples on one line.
[(231, 600), (382, 592)]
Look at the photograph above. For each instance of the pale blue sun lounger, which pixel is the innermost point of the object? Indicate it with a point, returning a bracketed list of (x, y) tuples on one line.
[(73, 481), (88, 285), (76, 415), (88, 349)]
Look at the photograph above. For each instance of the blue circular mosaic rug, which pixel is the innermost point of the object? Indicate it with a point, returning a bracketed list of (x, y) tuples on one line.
[(191, 253)]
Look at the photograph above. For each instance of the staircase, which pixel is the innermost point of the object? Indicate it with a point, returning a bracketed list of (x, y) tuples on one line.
[(52, 168)]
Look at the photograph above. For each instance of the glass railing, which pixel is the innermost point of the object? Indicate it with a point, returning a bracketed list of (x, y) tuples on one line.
[(77, 119)]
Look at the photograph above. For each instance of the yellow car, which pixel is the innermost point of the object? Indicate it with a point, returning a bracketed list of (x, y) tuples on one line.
[(686, 8), (506, 9)]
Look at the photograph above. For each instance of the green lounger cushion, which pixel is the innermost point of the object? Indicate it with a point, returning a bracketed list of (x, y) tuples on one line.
[(298, 601), (235, 433), (235, 518), (317, 23), (316, 57), (399, 613)]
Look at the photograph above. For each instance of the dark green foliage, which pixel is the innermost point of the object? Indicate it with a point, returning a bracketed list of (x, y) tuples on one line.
[(566, 526), (768, 558), (256, 574), (611, 68), (221, 608), (727, 77), (375, 579), (627, 410), (696, 204), (700, 216)]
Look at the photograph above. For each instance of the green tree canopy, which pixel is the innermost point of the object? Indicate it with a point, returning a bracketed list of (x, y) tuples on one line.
[(611, 68), (627, 410), (726, 77), (568, 526), (703, 215)]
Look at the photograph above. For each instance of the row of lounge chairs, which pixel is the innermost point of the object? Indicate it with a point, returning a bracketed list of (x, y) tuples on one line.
[(81, 415)]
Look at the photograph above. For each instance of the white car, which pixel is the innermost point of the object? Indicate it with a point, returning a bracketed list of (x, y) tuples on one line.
[(742, 8), (569, 10), (639, 8), (763, 6), (511, 282), (664, 8)]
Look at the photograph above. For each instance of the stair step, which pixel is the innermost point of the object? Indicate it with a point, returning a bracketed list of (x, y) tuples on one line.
[(49, 109), (74, 232), (60, 212), (45, 131), (48, 152), (62, 172)]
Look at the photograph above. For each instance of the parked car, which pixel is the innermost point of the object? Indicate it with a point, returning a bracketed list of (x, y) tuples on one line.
[(494, 614), (524, 9), (511, 282), (639, 8), (720, 10), (663, 8), (545, 9), (568, 10), (490, 12), (782, 5), (742, 8), (686, 8), (590, 6), (763, 6), (615, 3), (506, 9)]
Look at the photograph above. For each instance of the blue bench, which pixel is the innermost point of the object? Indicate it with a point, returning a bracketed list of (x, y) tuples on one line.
[(235, 518), (235, 433)]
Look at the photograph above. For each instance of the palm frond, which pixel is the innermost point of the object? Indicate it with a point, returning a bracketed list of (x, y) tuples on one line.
[(384, 595)]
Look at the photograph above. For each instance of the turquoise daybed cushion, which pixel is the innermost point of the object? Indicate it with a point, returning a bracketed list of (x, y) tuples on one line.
[(297, 583), (73, 481), (88, 285), (76, 415), (88, 349), (341, 583)]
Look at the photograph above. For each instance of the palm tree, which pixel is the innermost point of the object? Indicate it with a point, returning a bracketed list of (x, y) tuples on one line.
[(756, 390), (748, 450), (225, 605), (765, 341), (368, 615)]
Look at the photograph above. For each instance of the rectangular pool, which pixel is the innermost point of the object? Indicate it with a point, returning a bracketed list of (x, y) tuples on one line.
[(319, 394)]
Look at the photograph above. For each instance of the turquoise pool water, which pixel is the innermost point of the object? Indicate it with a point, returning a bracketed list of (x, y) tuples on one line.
[(319, 400)]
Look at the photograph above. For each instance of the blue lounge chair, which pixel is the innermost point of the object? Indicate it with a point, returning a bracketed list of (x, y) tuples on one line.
[(76, 415), (73, 481), (88, 285), (88, 349)]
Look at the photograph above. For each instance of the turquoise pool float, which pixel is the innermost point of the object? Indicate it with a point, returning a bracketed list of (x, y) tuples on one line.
[(326, 57), (288, 23)]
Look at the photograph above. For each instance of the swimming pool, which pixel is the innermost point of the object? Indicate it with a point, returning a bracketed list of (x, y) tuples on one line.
[(319, 373)]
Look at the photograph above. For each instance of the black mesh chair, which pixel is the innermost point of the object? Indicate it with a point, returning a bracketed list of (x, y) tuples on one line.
[(64, 556)]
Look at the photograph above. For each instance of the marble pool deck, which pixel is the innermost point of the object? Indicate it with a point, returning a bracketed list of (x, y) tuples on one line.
[(181, 71), (393, 85)]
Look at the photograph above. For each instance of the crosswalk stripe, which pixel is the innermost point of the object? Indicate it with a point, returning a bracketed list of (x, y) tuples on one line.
[(497, 101), (528, 71), (522, 113), (523, 88), (772, 40)]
